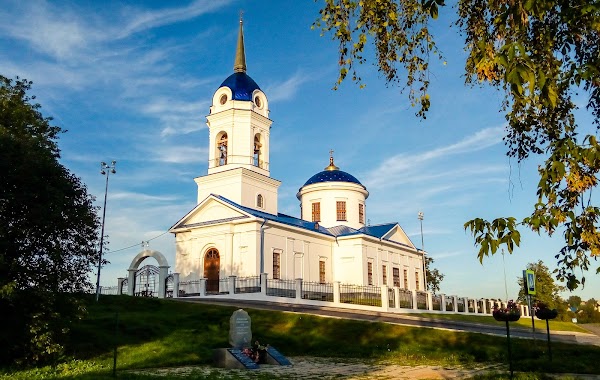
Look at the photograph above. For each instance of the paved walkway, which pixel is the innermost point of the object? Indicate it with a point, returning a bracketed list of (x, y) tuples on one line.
[(313, 368)]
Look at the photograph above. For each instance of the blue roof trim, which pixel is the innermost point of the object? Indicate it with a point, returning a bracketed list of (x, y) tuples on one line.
[(332, 176), (241, 86), (280, 218), (337, 231)]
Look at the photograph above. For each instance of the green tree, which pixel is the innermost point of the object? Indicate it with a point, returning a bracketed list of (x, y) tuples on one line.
[(547, 291), (539, 54), (48, 231), (574, 301), (589, 312), (434, 276)]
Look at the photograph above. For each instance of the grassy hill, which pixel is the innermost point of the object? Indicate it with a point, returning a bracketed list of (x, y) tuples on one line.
[(155, 333)]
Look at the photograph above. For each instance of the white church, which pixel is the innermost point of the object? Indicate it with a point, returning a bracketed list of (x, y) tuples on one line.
[(236, 230)]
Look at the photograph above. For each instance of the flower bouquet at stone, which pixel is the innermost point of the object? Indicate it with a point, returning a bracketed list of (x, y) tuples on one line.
[(509, 313), (543, 312)]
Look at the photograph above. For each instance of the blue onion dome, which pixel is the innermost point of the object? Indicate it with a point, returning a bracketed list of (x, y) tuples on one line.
[(332, 174), (241, 86)]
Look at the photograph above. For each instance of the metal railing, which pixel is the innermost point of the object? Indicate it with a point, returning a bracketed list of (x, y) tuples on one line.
[(317, 291), (422, 300), (189, 288), (109, 290), (461, 305), (449, 304), (437, 302), (247, 285), (281, 288), (405, 299), (360, 295), (391, 297)]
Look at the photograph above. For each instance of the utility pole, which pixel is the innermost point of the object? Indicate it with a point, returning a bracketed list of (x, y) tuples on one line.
[(420, 215), (105, 169)]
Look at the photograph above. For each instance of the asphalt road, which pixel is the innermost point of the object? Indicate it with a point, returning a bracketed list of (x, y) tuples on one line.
[(408, 320)]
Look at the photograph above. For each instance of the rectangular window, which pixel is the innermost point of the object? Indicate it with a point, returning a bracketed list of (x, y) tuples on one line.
[(405, 279), (384, 274), (361, 213), (322, 272), (276, 265), (341, 210), (396, 278), (370, 273), (316, 212), (417, 280)]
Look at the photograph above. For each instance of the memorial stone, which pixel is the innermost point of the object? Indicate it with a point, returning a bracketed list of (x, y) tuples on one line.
[(240, 329)]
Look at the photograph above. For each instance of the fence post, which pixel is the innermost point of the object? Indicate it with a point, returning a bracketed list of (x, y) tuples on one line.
[(120, 285), (130, 282), (336, 292), (397, 297), (298, 288), (466, 303), (455, 303), (443, 302), (414, 300), (263, 284), (475, 306), (202, 287), (231, 284), (429, 301), (385, 298), (483, 306), (175, 285)]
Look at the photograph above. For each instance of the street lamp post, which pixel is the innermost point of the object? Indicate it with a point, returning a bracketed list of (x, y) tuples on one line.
[(105, 169), (420, 215)]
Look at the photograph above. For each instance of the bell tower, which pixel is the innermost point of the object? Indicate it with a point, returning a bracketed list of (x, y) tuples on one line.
[(239, 129)]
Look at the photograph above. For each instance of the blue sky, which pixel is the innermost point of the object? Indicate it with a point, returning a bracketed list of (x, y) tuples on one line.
[(131, 81)]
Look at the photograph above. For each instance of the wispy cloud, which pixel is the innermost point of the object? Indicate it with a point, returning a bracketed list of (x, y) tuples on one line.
[(178, 154), (287, 89), (396, 168), (142, 197), (149, 19)]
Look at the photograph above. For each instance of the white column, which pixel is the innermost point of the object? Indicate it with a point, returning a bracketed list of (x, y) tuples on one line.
[(483, 306), (131, 281), (202, 287), (163, 272), (443, 303), (385, 299), (414, 299), (455, 303), (120, 285), (466, 303), (263, 284), (397, 297), (475, 305), (429, 301), (231, 284), (175, 285), (298, 288), (336, 292)]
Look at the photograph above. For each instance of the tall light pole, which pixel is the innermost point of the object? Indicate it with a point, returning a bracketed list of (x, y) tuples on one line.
[(420, 215), (105, 169)]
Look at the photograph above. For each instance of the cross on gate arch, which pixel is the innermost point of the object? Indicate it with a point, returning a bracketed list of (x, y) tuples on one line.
[(163, 266)]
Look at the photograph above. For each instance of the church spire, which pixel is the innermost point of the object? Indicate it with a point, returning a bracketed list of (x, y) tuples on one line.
[(239, 65)]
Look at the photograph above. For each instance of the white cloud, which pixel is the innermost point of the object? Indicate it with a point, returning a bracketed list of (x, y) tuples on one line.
[(178, 154), (141, 197), (286, 90), (397, 167)]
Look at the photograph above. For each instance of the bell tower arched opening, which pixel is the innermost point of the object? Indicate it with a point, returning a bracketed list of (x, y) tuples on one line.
[(221, 153)]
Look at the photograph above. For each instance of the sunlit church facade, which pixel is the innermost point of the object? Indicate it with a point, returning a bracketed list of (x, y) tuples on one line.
[(236, 230)]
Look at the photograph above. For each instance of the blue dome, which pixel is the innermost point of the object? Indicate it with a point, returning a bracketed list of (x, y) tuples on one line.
[(332, 176), (241, 86)]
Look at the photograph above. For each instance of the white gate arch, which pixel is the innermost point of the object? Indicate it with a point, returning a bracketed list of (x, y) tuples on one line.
[(163, 267)]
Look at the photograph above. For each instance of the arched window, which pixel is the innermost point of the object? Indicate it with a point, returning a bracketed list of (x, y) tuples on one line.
[(260, 202), (222, 150), (257, 151)]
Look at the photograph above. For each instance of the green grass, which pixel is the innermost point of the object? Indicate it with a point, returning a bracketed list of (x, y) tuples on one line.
[(524, 322), (156, 333)]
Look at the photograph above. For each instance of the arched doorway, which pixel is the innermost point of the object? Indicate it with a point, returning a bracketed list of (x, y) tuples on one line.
[(212, 264)]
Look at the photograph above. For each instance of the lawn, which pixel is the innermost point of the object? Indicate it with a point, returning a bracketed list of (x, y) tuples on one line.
[(524, 322), (154, 333)]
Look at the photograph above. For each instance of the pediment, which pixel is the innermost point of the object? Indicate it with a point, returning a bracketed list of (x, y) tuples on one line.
[(209, 211), (398, 235)]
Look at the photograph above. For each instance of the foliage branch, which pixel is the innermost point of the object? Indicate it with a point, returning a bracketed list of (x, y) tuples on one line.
[(541, 55)]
